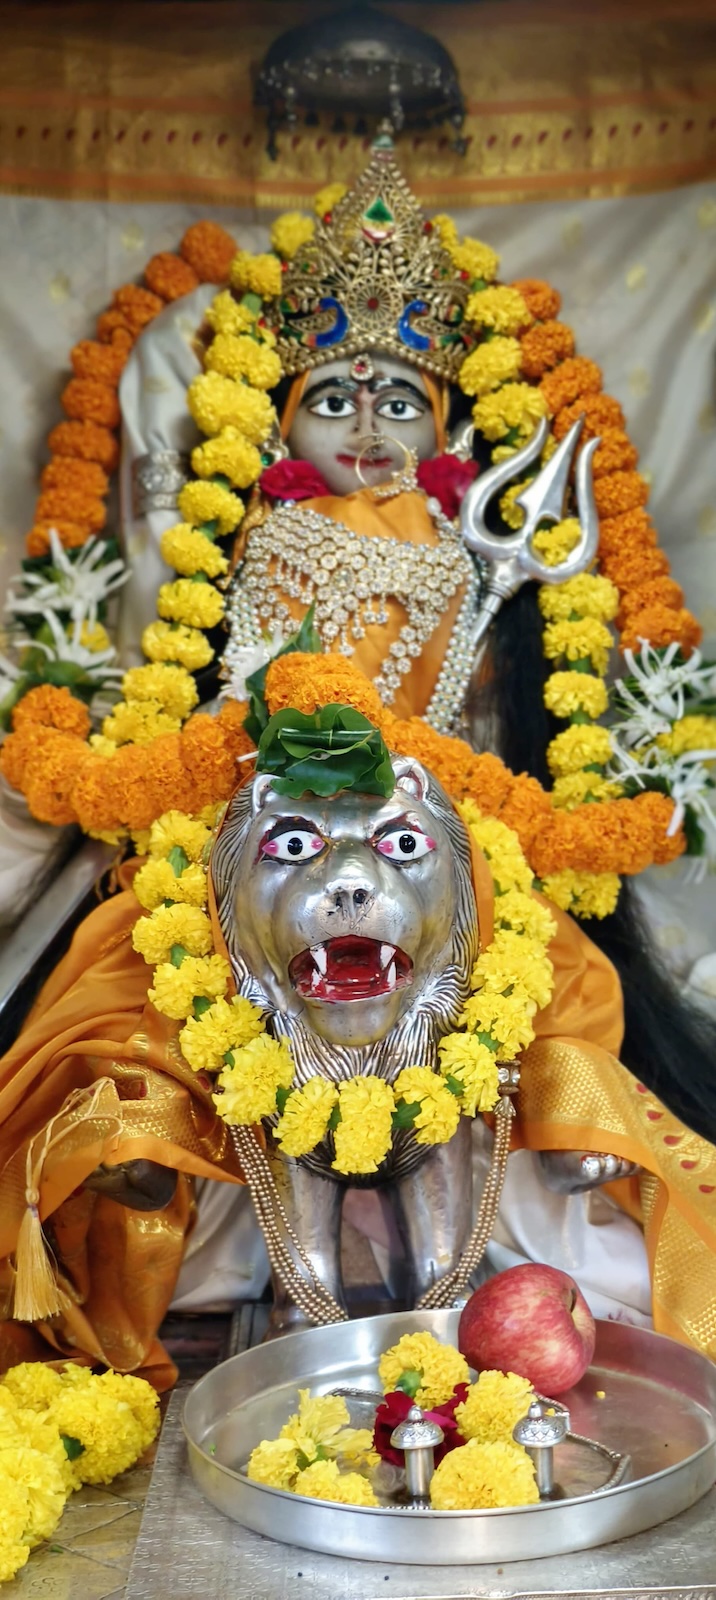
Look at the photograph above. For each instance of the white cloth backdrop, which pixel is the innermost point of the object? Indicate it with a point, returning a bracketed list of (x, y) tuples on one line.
[(638, 279)]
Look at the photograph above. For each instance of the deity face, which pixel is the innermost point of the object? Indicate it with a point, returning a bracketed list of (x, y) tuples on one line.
[(373, 403)]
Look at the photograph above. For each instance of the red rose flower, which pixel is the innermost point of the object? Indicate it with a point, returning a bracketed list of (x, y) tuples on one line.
[(447, 479), (293, 480), (394, 1410)]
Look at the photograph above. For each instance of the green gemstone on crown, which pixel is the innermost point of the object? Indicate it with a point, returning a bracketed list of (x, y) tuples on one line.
[(378, 211)]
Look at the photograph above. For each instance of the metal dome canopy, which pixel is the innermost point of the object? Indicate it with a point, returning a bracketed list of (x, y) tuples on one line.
[(360, 63)]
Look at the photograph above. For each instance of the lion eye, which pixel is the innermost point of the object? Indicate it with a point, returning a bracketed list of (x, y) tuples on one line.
[(405, 844), (297, 845)]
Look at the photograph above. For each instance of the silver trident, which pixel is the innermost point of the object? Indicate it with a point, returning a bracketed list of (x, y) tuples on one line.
[(511, 558)]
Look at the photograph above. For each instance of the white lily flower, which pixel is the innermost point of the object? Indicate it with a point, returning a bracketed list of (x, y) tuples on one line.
[(242, 662), (645, 723), (9, 675), (688, 778), (67, 647), (692, 785), (661, 685), (81, 587)]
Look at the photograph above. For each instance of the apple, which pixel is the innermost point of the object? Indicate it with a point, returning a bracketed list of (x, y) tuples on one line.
[(532, 1320)]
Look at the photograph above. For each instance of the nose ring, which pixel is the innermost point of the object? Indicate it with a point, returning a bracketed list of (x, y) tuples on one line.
[(402, 482)]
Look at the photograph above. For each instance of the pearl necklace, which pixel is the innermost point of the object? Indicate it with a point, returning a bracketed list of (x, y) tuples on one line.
[(301, 554)]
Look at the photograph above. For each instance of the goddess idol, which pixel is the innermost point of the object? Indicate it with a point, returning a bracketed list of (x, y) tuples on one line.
[(382, 533)]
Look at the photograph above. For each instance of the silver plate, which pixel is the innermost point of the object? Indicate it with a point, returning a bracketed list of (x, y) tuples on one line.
[(659, 1407)]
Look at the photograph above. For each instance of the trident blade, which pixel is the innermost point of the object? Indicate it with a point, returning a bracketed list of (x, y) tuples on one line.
[(584, 552), (473, 511), (510, 557), (543, 499)]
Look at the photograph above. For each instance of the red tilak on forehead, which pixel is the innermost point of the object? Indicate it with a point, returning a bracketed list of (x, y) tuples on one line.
[(362, 369)]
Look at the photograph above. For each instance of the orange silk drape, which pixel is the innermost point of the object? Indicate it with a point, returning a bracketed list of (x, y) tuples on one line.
[(575, 1094), (93, 1024)]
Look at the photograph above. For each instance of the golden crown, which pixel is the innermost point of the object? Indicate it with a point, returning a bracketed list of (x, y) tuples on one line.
[(375, 274)]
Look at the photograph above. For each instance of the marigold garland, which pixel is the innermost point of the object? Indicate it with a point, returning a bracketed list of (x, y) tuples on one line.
[(511, 980), (71, 509), (89, 400), (524, 366), (572, 389), (127, 789), (646, 603), (59, 1430)]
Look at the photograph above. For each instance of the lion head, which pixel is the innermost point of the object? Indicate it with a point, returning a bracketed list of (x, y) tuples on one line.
[(351, 920)]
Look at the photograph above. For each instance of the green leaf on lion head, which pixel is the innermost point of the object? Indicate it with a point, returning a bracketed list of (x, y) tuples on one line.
[(333, 748)]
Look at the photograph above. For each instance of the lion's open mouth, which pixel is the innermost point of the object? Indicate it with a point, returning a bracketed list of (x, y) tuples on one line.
[(351, 968)]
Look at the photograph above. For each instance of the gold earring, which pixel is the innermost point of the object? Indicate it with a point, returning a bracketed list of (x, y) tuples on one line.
[(274, 448)]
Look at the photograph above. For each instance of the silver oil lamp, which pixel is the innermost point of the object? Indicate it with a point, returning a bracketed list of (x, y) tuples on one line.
[(418, 1438), (544, 1427)]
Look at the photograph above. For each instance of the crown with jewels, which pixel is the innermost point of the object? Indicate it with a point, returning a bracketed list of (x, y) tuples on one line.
[(375, 275)]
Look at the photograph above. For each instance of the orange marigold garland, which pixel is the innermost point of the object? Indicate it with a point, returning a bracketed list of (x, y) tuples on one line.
[(544, 346), (70, 511), (658, 746), (573, 389), (523, 367), (119, 791), (111, 793), (90, 398)]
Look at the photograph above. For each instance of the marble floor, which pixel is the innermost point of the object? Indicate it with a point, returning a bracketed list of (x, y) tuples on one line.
[(90, 1553)]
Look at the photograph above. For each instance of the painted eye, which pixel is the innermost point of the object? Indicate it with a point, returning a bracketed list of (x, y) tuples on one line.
[(405, 844), (333, 405), (294, 845), (399, 410)]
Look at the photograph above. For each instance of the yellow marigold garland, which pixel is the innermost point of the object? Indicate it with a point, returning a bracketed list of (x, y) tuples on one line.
[(523, 368), (59, 1430), (229, 404), (578, 756)]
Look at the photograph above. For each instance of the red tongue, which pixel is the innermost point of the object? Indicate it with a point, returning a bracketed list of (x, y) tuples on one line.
[(352, 960)]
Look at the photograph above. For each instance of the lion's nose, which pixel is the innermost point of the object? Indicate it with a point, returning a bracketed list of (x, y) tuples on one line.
[(350, 898)]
